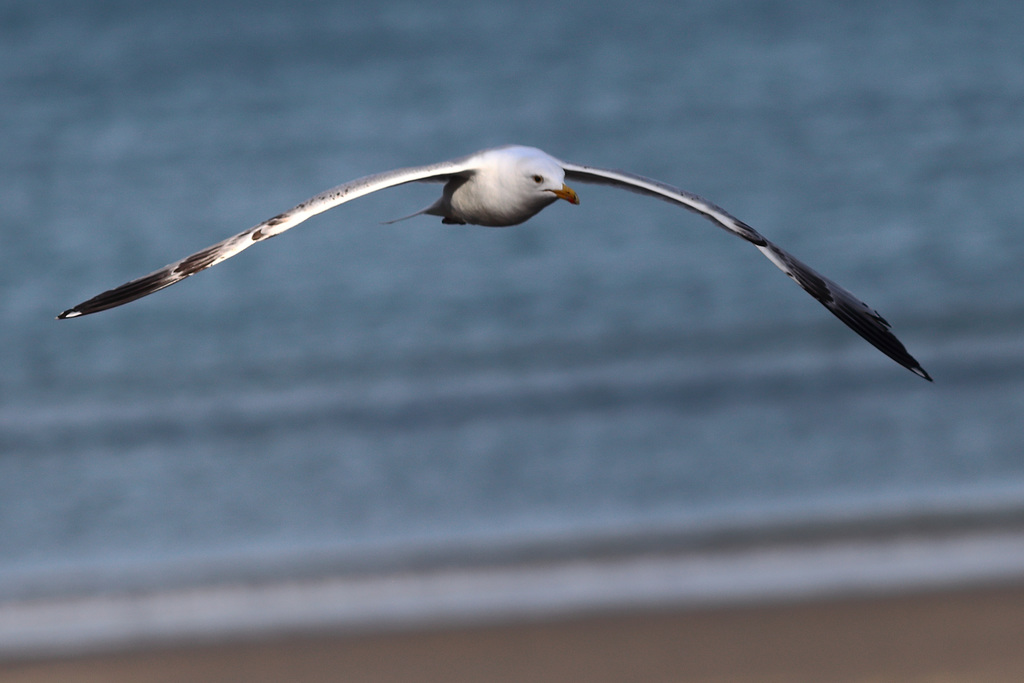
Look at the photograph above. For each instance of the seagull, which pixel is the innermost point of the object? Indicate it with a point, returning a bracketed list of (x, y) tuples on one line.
[(506, 186)]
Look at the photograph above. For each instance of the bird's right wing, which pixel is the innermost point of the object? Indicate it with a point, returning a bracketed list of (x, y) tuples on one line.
[(211, 256)]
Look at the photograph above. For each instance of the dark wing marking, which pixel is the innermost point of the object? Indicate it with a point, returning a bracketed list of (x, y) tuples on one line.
[(857, 315), (190, 265)]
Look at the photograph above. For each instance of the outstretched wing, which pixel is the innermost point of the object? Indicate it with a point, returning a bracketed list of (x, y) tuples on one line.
[(211, 256), (860, 317)]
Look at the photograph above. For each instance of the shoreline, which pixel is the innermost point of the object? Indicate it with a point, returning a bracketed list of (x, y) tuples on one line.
[(953, 635), (925, 607), (124, 619)]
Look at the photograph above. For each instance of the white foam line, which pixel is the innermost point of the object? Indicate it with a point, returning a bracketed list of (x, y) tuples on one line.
[(472, 596)]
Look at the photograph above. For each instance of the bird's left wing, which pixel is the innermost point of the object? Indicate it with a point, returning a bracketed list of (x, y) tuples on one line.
[(211, 256), (860, 317)]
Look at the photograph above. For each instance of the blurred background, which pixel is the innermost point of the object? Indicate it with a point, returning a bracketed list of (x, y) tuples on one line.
[(619, 377)]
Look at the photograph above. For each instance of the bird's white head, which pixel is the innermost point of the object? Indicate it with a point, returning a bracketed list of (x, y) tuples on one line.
[(511, 185), (541, 173)]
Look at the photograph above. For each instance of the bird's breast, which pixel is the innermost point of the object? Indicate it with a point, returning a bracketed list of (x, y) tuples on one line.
[(494, 205)]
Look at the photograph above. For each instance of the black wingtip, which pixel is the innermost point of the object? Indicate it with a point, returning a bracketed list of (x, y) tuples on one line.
[(70, 313)]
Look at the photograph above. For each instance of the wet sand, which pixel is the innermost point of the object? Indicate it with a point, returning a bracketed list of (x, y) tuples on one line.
[(974, 635)]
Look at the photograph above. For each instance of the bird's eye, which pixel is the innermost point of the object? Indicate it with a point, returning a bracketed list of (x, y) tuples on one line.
[(538, 179)]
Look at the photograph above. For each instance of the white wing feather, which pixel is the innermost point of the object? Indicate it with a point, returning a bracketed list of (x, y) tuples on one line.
[(212, 255)]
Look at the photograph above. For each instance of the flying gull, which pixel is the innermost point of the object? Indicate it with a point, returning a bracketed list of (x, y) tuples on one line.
[(507, 186)]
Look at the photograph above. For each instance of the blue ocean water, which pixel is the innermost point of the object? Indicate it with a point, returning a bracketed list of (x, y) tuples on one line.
[(612, 368)]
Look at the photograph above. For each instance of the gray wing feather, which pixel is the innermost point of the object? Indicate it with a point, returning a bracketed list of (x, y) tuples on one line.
[(856, 314)]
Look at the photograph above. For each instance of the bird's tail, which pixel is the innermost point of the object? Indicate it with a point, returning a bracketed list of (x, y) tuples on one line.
[(435, 209)]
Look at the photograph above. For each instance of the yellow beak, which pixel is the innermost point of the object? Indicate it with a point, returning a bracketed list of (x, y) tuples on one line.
[(566, 193)]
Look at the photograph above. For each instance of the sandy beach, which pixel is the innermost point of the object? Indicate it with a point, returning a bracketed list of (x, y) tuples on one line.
[(974, 635)]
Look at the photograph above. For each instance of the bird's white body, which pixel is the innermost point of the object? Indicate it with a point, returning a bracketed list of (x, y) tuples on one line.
[(511, 185), (505, 186)]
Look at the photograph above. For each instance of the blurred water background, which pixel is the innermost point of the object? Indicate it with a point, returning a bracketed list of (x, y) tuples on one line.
[(358, 394)]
